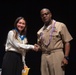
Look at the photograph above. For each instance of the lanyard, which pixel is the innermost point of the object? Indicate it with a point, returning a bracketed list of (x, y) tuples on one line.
[(21, 36), (51, 32)]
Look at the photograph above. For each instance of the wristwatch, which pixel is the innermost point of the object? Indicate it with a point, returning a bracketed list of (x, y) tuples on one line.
[(66, 57)]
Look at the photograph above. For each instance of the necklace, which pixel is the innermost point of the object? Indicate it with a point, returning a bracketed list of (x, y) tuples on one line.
[(46, 44)]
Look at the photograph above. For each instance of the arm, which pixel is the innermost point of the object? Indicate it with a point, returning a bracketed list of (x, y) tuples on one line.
[(66, 39), (14, 42), (39, 39), (23, 59), (66, 54), (67, 49)]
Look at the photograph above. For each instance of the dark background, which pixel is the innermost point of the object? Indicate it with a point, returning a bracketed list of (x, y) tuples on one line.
[(62, 10)]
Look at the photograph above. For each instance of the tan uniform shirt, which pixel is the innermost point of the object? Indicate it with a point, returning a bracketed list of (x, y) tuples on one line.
[(59, 35)]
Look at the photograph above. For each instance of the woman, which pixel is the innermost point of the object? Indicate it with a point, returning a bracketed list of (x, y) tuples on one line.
[(16, 47)]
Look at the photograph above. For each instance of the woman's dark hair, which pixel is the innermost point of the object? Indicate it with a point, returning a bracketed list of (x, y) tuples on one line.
[(15, 25)]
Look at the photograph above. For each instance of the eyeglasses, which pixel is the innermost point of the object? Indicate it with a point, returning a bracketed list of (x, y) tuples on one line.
[(44, 14)]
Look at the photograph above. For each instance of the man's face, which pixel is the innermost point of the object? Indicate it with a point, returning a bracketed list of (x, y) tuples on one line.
[(45, 15)]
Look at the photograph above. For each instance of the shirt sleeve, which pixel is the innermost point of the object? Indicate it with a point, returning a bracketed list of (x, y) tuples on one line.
[(39, 35), (66, 36), (23, 59), (15, 43)]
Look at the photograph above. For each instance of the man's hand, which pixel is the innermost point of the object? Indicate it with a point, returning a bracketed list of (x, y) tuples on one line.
[(36, 47)]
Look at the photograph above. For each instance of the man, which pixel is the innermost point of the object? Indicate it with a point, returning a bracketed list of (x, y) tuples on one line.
[(53, 37)]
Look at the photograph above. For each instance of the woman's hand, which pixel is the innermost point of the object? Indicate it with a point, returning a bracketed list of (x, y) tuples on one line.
[(36, 47)]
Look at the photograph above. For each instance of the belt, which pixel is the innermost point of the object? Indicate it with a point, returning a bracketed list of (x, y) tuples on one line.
[(52, 51)]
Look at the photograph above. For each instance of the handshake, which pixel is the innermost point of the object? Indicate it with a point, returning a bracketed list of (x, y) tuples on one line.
[(36, 47)]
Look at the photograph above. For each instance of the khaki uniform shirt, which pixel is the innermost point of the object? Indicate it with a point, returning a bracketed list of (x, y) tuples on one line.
[(59, 35)]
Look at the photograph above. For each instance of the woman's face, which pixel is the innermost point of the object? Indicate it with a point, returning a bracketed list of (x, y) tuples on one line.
[(21, 25)]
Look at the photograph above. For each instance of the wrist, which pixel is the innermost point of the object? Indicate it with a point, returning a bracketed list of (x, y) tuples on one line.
[(66, 57)]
